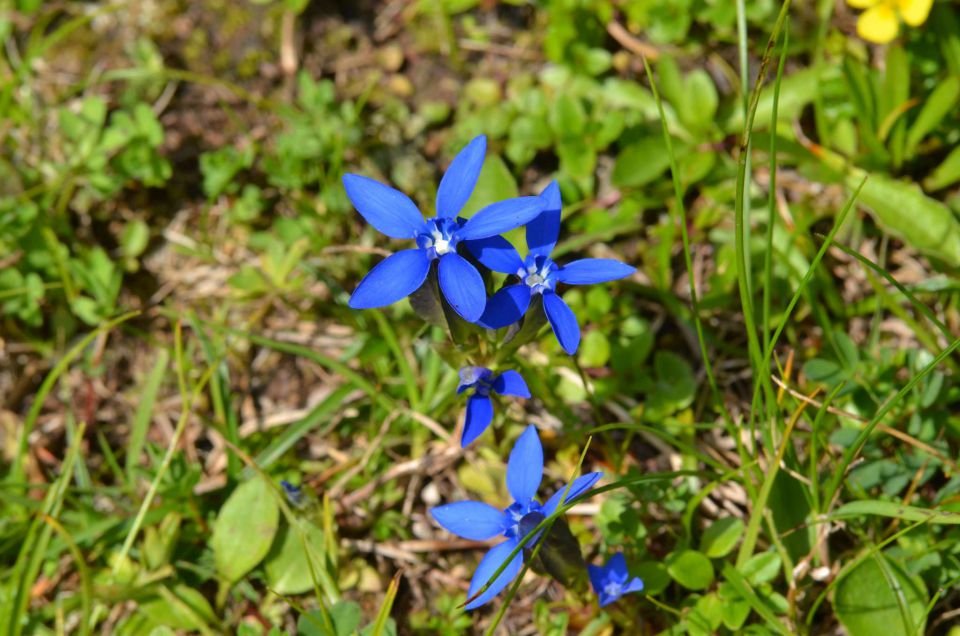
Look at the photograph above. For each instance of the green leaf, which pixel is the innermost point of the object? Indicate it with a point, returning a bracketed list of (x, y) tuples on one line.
[(675, 386), (857, 509), (945, 174), (567, 117), (134, 238), (821, 370), (761, 568), (699, 101), (654, 576), (181, 607), (878, 597), (691, 569), (640, 163), (736, 609), (906, 212), (721, 537), (594, 350), (244, 529), (344, 614), (942, 101), (287, 566)]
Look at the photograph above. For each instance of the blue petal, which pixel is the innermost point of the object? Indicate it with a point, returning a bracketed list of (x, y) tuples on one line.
[(617, 568), (606, 599), (635, 585), (496, 253), (472, 520), (490, 563), (479, 416), (462, 286), (390, 211), (506, 307), (469, 376), (525, 466), (562, 321), (511, 383), (580, 485), (543, 231), (588, 271), (460, 178), (598, 578), (501, 217), (395, 277)]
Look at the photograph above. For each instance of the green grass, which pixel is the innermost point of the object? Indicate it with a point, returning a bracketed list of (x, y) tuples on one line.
[(771, 397)]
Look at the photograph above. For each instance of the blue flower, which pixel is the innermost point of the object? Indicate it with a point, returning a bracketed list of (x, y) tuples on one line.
[(610, 581), (294, 493), (437, 238), (479, 405), (479, 521), (538, 274)]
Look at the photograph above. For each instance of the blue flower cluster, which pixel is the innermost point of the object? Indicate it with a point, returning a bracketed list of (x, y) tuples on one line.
[(532, 285), (439, 238)]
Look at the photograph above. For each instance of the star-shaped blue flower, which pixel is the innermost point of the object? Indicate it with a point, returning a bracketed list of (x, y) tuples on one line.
[(479, 521), (610, 581), (437, 238), (538, 274), (479, 405)]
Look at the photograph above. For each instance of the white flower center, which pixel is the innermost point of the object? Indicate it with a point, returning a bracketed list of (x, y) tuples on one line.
[(440, 244)]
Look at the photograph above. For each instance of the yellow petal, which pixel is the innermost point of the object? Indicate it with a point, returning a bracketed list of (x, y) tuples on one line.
[(878, 24), (914, 12), (862, 4)]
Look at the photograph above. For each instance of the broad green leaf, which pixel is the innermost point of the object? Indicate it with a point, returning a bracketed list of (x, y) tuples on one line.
[(654, 576), (700, 101), (288, 565), (594, 350), (878, 597), (640, 163), (736, 609), (761, 568), (905, 211), (796, 92), (691, 569), (675, 386), (706, 616), (181, 607), (721, 537), (567, 117), (244, 529), (344, 614)]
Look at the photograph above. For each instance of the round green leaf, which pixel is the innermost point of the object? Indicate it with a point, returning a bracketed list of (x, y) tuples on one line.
[(287, 567), (761, 568), (244, 529), (878, 597), (691, 569)]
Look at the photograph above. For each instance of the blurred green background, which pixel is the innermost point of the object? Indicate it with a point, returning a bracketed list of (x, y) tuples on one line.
[(176, 252)]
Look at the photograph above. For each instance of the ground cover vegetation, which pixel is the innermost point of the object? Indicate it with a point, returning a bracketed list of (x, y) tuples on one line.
[(480, 317)]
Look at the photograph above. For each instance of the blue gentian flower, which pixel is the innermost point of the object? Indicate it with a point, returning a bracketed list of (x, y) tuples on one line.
[(294, 493), (538, 274), (479, 405), (610, 581), (479, 521), (437, 238)]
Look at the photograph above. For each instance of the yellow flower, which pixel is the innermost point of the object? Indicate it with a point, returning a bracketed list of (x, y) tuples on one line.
[(881, 20)]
